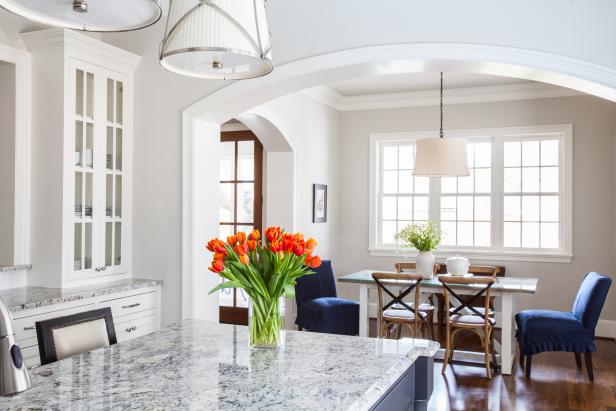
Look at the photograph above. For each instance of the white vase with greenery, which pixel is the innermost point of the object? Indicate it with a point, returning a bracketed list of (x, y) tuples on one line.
[(424, 238)]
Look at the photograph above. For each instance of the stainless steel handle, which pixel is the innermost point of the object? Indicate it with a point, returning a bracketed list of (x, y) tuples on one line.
[(131, 305), (29, 328), (97, 269), (104, 268), (131, 329)]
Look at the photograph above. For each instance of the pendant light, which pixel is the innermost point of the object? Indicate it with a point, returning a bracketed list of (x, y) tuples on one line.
[(88, 15), (441, 157), (217, 39)]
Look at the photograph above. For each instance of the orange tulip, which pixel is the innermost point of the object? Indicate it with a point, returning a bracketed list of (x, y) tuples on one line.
[(312, 261), (252, 245), (220, 257), (255, 235), (311, 244), (232, 240), (217, 266), (217, 246), (244, 259), (272, 234), (298, 249), (274, 246), (241, 249), (241, 237)]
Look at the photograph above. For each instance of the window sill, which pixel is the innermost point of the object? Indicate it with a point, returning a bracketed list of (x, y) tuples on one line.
[(482, 255)]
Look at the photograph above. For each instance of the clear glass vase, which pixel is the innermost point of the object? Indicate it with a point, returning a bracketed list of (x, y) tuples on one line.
[(265, 321)]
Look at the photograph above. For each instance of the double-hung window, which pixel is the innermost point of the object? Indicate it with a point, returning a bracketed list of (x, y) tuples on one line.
[(516, 202)]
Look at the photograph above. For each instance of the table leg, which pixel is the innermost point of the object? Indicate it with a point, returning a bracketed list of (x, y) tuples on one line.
[(363, 310), (507, 334)]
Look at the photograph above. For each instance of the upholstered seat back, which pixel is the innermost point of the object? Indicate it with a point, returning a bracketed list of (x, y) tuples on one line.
[(590, 299), (321, 284), (79, 338)]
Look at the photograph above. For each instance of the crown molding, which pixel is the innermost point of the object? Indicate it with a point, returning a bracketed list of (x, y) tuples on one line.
[(467, 95)]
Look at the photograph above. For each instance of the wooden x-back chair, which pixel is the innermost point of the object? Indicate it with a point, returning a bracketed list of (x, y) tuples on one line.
[(407, 315), (480, 322)]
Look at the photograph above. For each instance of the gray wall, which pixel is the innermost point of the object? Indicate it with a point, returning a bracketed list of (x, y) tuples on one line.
[(7, 162), (594, 184)]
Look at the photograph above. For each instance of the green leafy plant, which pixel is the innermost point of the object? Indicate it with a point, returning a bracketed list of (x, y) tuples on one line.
[(423, 237)]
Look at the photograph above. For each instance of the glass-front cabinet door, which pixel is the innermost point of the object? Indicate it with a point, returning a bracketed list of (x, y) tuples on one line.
[(98, 224)]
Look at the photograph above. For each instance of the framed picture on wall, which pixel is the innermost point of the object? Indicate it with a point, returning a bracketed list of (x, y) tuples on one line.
[(319, 203)]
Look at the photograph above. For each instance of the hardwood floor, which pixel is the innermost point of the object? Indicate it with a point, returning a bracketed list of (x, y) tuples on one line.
[(556, 383)]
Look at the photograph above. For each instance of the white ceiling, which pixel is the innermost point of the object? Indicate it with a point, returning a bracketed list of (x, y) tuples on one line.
[(413, 82)]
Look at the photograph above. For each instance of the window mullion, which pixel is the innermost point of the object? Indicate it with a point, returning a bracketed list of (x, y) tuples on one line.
[(434, 200), (497, 195)]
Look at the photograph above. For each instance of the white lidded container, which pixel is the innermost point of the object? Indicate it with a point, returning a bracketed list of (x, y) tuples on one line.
[(457, 265)]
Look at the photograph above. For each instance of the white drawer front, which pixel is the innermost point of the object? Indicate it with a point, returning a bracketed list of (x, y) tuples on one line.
[(136, 328), (31, 356), (25, 328), (132, 304)]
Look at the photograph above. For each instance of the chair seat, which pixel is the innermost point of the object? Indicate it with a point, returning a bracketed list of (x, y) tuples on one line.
[(331, 315), (547, 330), (401, 314), (481, 310), (465, 319), (422, 307)]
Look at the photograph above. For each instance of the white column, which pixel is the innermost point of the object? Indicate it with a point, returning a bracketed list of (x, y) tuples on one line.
[(507, 333), (363, 310)]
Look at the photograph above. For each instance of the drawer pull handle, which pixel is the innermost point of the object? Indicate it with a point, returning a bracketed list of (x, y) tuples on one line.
[(131, 305), (29, 328), (130, 329)]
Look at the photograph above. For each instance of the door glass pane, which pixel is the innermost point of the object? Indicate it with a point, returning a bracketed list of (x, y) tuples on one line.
[(78, 143), (245, 202), (88, 160), (90, 95), (241, 299), (227, 161), (88, 246), (225, 231), (109, 155), (109, 196), (119, 102), (108, 243), (89, 192), (226, 203), (225, 296), (118, 242), (118, 196), (77, 247), (118, 159), (110, 99), (246, 160), (79, 93), (78, 194)]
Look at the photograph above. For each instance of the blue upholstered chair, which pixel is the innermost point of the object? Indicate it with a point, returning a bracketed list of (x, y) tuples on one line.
[(544, 330), (318, 307)]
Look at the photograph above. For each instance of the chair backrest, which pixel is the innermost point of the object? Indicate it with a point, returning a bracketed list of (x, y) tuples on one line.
[(500, 272), (491, 270), (466, 302), (401, 267), (408, 282), (63, 337), (590, 298), (320, 284)]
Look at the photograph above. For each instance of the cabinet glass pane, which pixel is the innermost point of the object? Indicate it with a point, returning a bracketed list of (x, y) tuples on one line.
[(109, 152), (245, 202), (90, 95), (110, 98), (119, 101), (88, 160), (89, 196), (79, 93), (118, 148), (118, 196), (88, 246), (108, 243), (78, 143), (109, 196), (78, 194), (118, 242), (77, 247)]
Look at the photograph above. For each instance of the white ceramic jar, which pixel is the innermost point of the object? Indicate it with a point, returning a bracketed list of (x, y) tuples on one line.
[(457, 265), (424, 264)]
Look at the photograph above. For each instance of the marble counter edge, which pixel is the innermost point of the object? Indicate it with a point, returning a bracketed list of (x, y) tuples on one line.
[(16, 267), (85, 294)]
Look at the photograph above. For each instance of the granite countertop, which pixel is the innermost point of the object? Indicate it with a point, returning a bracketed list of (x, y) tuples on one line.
[(25, 298), (17, 267), (203, 365)]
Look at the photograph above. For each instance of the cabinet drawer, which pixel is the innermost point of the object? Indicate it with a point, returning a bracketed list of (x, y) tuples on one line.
[(31, 356), (129, 305), (136, 328), (25, 328)]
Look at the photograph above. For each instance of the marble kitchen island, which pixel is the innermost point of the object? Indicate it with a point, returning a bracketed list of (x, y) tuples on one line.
[(202, 365)]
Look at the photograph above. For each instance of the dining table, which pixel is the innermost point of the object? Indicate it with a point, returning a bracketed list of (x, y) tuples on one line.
[(506, 289)]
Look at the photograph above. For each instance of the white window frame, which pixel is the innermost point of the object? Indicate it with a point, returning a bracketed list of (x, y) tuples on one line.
[(497, 252)]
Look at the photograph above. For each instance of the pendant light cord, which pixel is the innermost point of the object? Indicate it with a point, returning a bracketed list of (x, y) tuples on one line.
[(442, 134)]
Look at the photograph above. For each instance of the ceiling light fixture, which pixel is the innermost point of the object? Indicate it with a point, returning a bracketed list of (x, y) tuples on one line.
[(441, 157), (88, 15), (217, 39)]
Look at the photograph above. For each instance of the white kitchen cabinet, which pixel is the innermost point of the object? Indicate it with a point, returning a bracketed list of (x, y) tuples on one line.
[(82, 159)]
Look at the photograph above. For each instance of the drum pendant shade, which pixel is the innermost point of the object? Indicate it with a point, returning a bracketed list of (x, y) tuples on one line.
[(441, 157), (88, 15), (217, 39)]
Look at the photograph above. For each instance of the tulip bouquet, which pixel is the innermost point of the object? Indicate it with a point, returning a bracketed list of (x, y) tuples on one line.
[(266, 269)]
